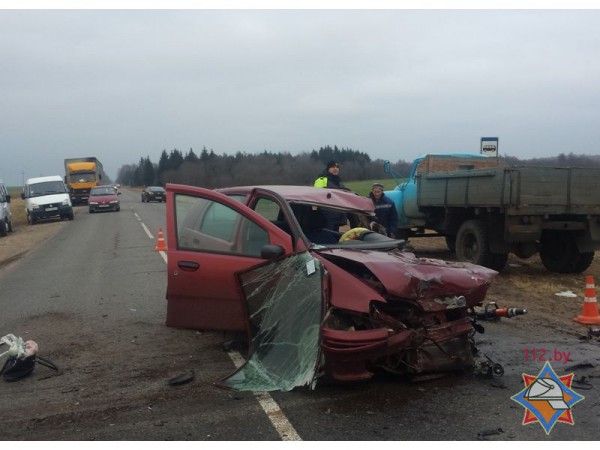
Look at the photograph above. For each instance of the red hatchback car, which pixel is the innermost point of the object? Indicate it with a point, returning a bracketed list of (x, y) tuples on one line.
[(103, 198), (315, 301)]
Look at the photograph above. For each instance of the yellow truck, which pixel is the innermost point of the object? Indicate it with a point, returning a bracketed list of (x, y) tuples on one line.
[(81, 175)]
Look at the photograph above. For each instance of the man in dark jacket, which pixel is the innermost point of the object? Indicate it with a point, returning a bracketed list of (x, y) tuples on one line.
[(385, 210)]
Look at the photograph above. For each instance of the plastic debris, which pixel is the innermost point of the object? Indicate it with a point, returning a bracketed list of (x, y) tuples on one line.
[(566, 294)]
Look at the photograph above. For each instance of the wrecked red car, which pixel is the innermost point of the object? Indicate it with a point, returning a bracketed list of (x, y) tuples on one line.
[(316, 302)]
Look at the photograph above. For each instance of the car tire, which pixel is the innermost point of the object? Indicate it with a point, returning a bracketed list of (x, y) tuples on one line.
[(3, 228)]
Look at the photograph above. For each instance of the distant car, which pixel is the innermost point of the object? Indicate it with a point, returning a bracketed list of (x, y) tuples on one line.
[(339, 302), (104, 198), (154, 194)]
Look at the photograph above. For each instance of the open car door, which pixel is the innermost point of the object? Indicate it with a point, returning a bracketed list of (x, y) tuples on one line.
[(210, 238)]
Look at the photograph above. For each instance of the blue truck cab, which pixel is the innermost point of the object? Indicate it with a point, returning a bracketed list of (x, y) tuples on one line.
[(406, 193)]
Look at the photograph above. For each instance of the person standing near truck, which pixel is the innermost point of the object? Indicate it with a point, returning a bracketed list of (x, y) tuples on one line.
[(385, 210)]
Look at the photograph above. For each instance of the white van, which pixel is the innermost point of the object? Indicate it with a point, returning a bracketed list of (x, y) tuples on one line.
[(5, 214), (45, 198)]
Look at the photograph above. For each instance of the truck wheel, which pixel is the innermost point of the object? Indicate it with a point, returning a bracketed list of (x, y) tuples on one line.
[(559, 253), (473, 245)]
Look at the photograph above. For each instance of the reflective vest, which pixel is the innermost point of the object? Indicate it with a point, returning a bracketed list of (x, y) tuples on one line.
[(321, 182)]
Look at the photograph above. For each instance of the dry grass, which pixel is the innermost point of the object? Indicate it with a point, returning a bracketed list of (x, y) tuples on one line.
[(17, 207)]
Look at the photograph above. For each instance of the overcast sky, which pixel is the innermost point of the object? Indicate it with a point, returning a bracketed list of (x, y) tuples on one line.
[(395, 84)]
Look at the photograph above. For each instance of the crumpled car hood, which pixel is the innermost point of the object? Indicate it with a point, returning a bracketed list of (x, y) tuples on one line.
[(430, 282)]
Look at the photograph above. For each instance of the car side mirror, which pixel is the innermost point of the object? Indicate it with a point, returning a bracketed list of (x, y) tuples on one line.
[(7, 198), (271, 252), (118, 193)]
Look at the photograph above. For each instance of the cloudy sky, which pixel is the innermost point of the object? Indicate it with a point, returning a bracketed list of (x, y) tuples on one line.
[(122, 84)]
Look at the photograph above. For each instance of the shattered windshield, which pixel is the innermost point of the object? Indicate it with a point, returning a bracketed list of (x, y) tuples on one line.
[(285, 308)]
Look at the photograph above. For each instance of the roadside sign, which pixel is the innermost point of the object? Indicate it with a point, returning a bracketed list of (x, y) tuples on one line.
[(489, 146)]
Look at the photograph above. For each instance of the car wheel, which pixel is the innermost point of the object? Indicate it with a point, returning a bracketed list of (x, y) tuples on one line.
[(3, 228), (91, 211)]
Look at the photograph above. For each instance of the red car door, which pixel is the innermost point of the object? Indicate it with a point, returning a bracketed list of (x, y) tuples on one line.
[(210, 238)]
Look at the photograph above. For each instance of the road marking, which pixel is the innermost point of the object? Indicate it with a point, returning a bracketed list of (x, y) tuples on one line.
[(147, 230), (283, 427), (281, 424)]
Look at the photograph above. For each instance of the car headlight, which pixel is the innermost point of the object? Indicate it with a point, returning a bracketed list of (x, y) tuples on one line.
[(66, 202), (93, 203), (35, 206), (112, 202)]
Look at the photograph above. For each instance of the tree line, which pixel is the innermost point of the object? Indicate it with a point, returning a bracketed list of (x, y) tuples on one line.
[(211, 171)]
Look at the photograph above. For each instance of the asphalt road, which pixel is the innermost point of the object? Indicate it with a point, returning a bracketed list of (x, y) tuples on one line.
[(93, 298)]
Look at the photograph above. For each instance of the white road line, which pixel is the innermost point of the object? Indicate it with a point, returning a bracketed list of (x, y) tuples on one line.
[(147, 230), (281, 424), (283, 427)]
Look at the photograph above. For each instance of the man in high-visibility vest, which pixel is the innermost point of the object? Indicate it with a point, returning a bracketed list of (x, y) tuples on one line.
[(330, 178)]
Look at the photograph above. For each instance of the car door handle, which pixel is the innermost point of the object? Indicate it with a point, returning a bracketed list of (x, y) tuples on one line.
[(190, 266)]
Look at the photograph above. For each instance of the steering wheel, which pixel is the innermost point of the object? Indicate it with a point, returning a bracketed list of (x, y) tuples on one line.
[(353, 234)]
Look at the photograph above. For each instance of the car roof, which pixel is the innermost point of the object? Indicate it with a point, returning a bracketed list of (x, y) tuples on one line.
[(339, 198), (43, 179)]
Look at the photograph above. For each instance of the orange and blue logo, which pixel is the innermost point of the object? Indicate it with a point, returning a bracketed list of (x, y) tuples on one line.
[(548, 398)]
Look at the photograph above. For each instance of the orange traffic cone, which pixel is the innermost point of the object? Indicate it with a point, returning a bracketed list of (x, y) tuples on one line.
[(161, 246), (589, 314)]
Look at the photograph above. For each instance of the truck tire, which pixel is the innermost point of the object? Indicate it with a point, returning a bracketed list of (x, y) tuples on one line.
[(473, 245), (559, 253)]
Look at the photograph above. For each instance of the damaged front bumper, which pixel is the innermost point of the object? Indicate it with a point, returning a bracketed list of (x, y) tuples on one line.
[(297, 333)]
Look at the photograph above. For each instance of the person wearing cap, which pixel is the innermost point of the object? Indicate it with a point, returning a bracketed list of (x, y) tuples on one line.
[(330, 178), (385, 210)]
